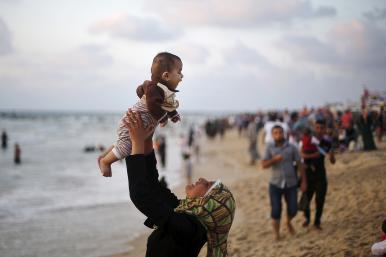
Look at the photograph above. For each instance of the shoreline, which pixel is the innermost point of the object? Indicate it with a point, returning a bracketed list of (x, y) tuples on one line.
[(354, 208)]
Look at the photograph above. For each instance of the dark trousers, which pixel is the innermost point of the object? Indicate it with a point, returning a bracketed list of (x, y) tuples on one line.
[(290, 195), (317, 185)]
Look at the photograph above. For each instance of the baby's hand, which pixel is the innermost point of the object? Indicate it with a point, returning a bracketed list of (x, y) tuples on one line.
[(176, 118), (104, 167), (163, 123)]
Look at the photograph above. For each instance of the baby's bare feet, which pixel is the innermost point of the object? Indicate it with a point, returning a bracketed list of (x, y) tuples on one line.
[(104, 167)]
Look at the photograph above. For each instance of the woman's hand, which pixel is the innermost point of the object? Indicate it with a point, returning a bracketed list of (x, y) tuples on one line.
[(138, 133)]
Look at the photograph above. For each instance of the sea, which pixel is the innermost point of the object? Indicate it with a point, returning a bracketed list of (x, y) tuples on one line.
[(56, 203)]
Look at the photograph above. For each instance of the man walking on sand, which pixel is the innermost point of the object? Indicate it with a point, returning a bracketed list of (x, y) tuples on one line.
[(317, 178), (280, 157)]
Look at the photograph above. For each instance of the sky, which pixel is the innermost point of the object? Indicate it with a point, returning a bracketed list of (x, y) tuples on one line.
[(244, 55)]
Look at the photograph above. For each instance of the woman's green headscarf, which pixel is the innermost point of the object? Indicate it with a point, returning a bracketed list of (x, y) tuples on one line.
[(215, 211)]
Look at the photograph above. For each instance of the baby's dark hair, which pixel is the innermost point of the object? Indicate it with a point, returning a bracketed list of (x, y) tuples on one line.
[(384, 226), (163, 62)]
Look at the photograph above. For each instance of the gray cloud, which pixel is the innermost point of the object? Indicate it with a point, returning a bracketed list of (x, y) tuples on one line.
[(308, 48), (325, 11), (77, 79), (125, 26), (10, 1), (376, 14), (238, 90), (5, 39), (85, 57), (89, 78), (243, 55), (80, 64), (354, 46), (360, 44), (246, 13), (193, 53)]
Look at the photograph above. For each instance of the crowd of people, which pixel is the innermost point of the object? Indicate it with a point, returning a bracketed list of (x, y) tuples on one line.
[(296, 145), (216, 127), (346, 130)]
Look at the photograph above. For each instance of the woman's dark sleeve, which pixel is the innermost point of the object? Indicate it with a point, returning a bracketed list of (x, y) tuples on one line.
[(151, 203), (152, 177)]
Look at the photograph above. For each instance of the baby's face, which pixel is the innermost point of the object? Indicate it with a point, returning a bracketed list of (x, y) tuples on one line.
[(175, 75)]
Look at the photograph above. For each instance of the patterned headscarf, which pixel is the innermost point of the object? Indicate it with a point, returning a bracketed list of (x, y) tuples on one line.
[(215, 211)]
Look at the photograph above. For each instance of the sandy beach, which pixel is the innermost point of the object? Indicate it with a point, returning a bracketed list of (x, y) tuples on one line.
[(354, 209)]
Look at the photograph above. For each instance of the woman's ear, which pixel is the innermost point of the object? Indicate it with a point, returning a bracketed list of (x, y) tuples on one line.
[(165, 76)]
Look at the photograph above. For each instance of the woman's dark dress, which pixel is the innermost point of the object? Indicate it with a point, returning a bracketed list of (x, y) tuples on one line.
[(365, 127), (177, 234)]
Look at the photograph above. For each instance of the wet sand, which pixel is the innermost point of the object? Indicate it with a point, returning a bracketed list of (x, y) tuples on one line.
[(354, 209)]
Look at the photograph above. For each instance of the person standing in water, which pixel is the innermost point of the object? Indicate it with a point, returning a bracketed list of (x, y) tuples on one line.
[(4, 140), (17, 156)]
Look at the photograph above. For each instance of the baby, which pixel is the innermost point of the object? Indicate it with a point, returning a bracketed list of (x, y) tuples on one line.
[(157, 103), (309, 145)]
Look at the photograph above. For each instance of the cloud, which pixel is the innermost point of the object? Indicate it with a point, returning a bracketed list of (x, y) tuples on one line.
[(354, 46), (243, 55), (10, 1), (246, 13), (126, 26), (324, 11), (5, 39), (308, 48), (376, 14), (360, 43), (247, 80), (77, 79), (191, 52), (81, 66), (88, 57), (224, 89)]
